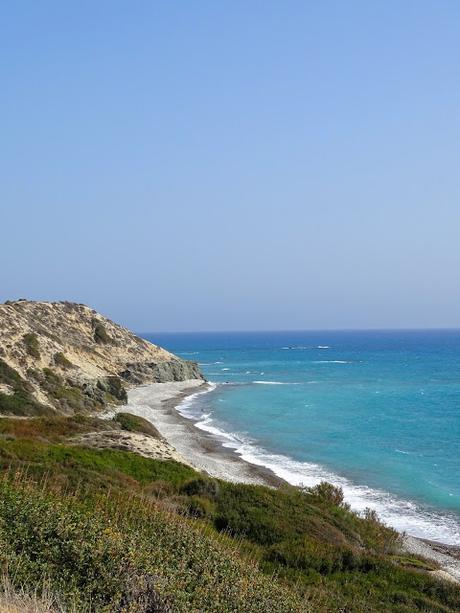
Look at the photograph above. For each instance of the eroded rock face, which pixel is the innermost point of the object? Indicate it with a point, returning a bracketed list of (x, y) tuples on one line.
[(160, 372), (67, 357)]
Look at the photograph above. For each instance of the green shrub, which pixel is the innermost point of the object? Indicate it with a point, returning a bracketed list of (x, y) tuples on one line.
[(115, 387), (100, 334), (32, 345), (306, 553), (134, 423), (52, 379), (199, 507), (20, 402), (61, 361), (326, 492), (201, 487), (11, 377)]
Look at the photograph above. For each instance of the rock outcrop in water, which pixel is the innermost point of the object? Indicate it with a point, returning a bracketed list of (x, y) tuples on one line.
[(66, 357)]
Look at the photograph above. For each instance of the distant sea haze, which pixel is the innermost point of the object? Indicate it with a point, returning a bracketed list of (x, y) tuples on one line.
[(377, 412)]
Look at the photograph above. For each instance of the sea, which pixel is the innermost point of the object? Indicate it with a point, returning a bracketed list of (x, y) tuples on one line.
[(374, 412)]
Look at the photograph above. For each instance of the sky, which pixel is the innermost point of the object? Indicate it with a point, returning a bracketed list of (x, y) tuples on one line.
[(233, 165)]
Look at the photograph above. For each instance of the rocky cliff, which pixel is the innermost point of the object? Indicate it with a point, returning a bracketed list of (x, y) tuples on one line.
[(66, 357)]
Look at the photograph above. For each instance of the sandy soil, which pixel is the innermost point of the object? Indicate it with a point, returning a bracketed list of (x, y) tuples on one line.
[(143, 444)]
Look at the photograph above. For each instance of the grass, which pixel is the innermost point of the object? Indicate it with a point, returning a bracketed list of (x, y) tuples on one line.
[(53, 428), (111, 527), (102, 468)]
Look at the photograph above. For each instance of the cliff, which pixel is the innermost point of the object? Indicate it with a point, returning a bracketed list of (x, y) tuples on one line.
[(66, 357)]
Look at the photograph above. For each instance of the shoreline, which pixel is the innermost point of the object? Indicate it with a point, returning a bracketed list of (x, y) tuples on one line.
[(158, 403), (198, 448)]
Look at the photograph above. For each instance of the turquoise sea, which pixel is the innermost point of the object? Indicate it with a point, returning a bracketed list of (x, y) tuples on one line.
[(377, 412)]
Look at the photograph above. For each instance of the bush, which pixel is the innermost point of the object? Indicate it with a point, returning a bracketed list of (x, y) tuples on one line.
[(201, 487), (200, 507), (100, 334), (10, 377), (326, 492), (61, 361), (115, 387), (32, 345), (134, 423), (305, 553), (20, 402)]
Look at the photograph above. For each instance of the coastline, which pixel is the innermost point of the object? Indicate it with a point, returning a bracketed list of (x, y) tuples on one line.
[(158, 403)]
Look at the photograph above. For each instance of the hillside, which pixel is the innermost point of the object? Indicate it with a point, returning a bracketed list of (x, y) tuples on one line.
[(66, 357)]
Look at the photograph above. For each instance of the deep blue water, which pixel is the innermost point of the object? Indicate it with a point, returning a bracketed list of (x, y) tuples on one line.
[(376, 412)]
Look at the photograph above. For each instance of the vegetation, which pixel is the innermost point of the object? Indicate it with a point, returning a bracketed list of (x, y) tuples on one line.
[(61, 361), (32, 345), (69, 397), (100, 334), (134, 423), (115, 389), (119, 554), (128, 533), (20, 401)]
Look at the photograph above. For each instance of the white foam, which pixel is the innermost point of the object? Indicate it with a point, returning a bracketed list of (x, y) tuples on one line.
[(403, 515), (323, 347), (332, 362), (296, 348), (275, 383), (184, 407), (225, 368)]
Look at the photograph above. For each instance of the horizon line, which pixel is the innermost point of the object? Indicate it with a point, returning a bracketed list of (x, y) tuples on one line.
[(260, 331)]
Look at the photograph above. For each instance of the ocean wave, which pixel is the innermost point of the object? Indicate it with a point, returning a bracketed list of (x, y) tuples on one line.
[(296, 348), (403, 515), (332, 362), (304, 347), (185, 408), (275, 383)]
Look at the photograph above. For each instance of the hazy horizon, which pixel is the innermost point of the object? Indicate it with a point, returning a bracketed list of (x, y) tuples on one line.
[(234, 167)]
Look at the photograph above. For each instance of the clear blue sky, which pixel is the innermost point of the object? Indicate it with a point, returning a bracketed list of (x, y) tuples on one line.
[(233, 165)]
